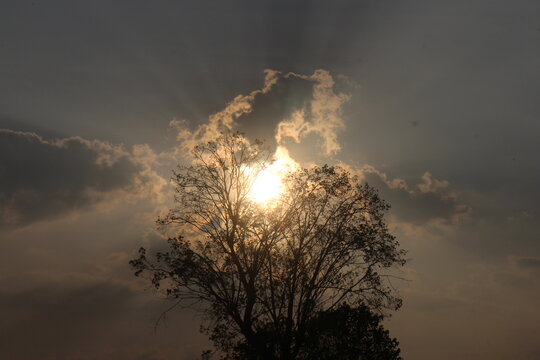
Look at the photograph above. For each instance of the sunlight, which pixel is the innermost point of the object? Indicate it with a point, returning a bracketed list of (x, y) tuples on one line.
[(268, 184)]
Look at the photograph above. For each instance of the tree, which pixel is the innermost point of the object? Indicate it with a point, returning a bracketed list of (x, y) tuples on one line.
[(344, 333), (349, 333), (265, 274)]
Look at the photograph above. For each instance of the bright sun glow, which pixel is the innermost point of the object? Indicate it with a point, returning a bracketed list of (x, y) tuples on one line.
[(268, 184)]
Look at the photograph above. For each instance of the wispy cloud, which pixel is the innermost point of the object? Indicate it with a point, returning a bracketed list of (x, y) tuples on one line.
[(224, 120), (323, 117), (417, 203), (320, 115)]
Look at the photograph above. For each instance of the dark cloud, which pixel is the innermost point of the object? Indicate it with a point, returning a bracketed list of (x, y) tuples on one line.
[(24, 125), (69, 294), (498, 235), (42, 179), (56, 320), (491, 305), (529, 263), (90, 320), (429, 199), (289, 94)]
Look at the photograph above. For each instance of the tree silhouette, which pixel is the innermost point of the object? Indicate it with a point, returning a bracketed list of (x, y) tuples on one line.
[(269, 277), (343, 333)]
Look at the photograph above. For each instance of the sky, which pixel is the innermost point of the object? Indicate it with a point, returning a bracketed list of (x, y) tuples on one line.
[(433, 102)]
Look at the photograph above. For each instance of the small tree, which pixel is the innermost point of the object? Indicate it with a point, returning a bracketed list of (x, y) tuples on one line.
[(266, 274)]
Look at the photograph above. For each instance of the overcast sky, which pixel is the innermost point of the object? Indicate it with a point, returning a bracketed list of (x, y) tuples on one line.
[(436, 104)]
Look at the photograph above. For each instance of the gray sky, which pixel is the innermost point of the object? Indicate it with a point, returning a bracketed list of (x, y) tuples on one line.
[(443, 100)]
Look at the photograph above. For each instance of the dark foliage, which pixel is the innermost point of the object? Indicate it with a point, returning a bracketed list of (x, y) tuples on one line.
[(345, 333)]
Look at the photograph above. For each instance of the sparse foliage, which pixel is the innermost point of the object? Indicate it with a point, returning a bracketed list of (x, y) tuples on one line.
[(264, 275)]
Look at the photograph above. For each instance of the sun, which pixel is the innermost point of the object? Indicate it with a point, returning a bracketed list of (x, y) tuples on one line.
[(267, 186)]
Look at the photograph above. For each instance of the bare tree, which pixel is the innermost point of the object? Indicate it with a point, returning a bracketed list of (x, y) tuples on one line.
[(271, 269)]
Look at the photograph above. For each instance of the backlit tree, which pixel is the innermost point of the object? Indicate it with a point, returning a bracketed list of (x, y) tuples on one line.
[(266, 263)]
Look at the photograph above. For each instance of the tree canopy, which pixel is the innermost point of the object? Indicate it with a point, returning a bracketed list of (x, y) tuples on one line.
[(268, 275)]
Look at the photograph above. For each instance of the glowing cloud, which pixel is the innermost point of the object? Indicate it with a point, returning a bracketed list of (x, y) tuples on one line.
[(320, 117), (324, 115)]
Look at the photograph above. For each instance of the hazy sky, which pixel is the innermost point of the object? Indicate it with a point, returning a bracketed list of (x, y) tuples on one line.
[(433, 102)]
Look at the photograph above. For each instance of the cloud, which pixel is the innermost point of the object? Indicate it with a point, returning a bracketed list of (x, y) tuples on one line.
[(52, 317), (70, 293), (42, 179), (487, 302), (224, 120), (297, 108), (288, 106), (91, 320), (427, 201), (323, 117), (532, 263)]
